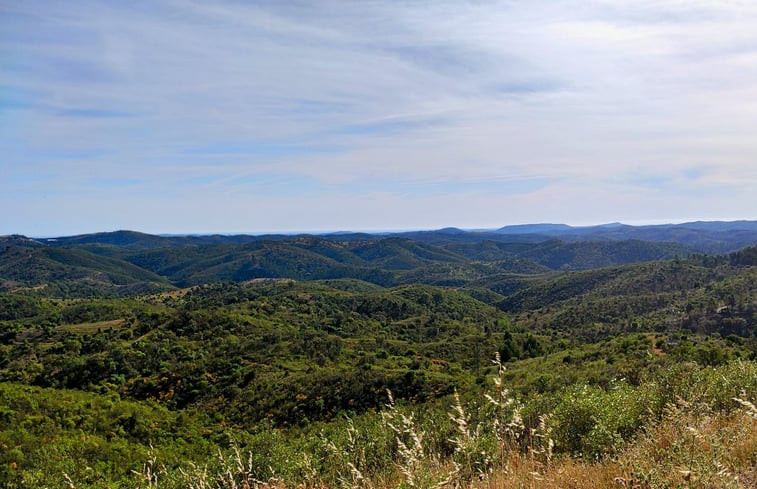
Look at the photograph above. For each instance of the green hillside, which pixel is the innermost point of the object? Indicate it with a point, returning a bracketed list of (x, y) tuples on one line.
[(290, 347), (73, 271)]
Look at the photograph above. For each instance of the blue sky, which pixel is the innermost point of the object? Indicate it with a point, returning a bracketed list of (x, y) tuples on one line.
[(173, 116)]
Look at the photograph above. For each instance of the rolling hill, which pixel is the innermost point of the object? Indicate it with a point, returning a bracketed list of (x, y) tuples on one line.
[(288, 345)]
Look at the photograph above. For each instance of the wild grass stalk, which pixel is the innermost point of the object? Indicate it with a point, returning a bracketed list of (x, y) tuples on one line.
[(618, 437)]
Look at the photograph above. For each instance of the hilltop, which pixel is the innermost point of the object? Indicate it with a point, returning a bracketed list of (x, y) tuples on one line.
[(124, 262), (113, 343)]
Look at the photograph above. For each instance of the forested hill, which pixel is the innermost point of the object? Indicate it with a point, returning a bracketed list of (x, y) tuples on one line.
[(289, 351), (121, 350), (125, 262), (701, 236)]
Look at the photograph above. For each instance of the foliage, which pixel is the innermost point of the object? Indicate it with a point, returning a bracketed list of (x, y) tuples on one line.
[(287, 379)]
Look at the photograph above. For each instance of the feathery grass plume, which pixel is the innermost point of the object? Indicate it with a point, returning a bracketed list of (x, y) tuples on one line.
[(69, 482), (147, 478), (239, 474), (507, 423), (540, 447), (419, 467), (472, 459), (749, 407), (695, 447), (196, 479), (234, 472), (308, 471), (409, 442), (494, 433), (350, 459)]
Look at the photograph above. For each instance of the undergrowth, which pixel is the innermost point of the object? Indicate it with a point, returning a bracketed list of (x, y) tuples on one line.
[(689, 427)]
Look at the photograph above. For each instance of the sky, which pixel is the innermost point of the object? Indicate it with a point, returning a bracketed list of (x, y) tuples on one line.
[(190, 116)]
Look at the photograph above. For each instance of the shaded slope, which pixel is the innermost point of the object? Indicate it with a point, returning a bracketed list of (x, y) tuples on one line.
[(34, 266), (559, 255)]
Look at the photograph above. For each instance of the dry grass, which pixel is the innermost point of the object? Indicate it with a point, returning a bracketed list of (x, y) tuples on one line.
[(688, 445), (173, 294), (685, 450), (92, 328), (689, 448)]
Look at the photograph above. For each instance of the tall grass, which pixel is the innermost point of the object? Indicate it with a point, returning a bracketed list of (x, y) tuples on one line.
[(689, 427)]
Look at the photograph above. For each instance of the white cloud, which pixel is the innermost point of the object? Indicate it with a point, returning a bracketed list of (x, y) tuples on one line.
[(349, 99)]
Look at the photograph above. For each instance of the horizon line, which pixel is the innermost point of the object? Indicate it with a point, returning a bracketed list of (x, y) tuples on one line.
[(633, 223)]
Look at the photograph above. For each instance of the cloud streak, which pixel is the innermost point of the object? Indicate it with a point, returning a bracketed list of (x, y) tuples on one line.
[(365, 115)]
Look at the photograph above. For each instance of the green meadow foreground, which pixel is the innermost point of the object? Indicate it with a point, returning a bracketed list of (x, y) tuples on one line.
[(386, 363), (681, 430)]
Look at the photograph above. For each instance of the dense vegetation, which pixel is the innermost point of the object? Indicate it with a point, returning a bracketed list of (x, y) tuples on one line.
[(126, 263), (126, 357)]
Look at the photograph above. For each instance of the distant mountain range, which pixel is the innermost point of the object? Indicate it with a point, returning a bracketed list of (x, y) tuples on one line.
[(127, 262), (699, 236)]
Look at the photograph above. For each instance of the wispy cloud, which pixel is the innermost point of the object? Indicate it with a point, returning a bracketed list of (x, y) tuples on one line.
[(262, 148), (94, 113), (334, 115)]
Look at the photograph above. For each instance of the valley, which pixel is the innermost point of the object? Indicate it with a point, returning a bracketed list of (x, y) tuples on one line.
[(117, 348)]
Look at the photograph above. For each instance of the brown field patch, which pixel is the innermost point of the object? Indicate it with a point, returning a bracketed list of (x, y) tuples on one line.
[(91, 328)]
